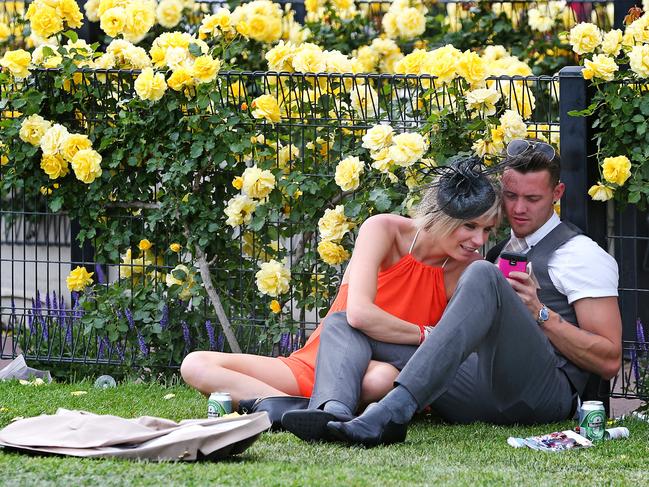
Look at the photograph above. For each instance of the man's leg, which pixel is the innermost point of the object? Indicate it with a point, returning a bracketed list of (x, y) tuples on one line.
[(516, 373), (343, 357)]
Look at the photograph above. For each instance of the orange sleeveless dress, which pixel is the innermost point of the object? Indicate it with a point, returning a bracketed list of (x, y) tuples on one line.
[(410, 290)]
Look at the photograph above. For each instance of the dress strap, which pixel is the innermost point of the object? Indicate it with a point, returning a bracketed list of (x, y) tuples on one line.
[(412, 245), (444, 264)]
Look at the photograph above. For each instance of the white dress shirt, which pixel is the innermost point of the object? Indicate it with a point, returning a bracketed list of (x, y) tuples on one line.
[(579, 268)]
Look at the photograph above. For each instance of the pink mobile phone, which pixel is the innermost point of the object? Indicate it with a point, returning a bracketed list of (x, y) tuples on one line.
[(512, 261)]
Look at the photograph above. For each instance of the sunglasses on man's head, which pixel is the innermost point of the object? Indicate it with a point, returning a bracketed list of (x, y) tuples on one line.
[(518, 147)]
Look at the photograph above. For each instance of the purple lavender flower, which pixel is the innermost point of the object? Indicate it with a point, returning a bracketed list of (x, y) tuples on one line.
[(48, 305), (129, 318), (639, 333), (120, 352), (164, 321), (100, 348), (30, 319), (220, 342), (635, 366), (210, 334), (186, 337), (101, 277), (68, 333), (284, 343), (142, 344), (76, 305)]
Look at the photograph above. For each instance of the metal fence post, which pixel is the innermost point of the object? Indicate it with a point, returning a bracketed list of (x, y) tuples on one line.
[(578, 172)]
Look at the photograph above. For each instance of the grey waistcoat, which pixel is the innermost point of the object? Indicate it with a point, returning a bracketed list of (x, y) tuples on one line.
[(539, 255)]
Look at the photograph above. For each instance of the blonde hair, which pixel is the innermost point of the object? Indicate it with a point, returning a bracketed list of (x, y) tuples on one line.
[(430, 217)]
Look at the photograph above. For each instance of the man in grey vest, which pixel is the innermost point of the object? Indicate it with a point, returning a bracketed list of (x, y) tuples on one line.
[(506, 350)]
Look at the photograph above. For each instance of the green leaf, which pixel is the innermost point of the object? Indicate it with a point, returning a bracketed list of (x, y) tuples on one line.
[(197, 150), (380, 199), (72, 35), (56, 203), (195, 50)]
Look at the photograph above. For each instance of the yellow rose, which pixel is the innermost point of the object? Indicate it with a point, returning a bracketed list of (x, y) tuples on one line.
[(3, 154), (286, 155), (113, 21), (332, 253), (33, 128), (50, 60), (275, 307), (130, 266), (144, 245), (78, 279), (483, 100), (348, 173), (540, 20), (612, 42), (54, 166), (175, 247), (217, 24), (407, 148), (169, 13), (44, 20), (69, 11), (521, 99), (237, 182), (639, 60), (309, 58), (5, 32), (91, 7), (333, 225), (442, 63), (239, 210), (150, 86), (382, 161), (53, 139), (412, 63), (600, 192), (17, 62), (257, 183), (73, 144), (472, 67), (140, 18), (180, 79), (616, 169), (378, 137), (266, 107), (365, 100), (205, 69), (512, 126), (86, 165), (337, 62), (585, 37), (600, 66), (187, 282), (273, 278), (136, 58), (280, 57), (411, 23)]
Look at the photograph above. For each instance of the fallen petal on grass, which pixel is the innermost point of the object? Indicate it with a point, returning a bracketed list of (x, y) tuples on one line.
[(78, 393), (25, 382), (4, 410), (17, 418), (169, 396)]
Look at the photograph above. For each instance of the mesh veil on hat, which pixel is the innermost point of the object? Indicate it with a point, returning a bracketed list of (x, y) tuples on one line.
[(463, 189)]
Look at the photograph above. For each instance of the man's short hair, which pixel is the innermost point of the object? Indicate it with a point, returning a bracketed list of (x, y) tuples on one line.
[(534, 161)]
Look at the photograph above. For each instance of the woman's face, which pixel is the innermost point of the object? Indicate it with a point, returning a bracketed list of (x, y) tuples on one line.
[(465, 240)]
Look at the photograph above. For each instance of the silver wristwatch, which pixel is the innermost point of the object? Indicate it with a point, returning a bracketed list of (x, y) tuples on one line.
[(543, 316)]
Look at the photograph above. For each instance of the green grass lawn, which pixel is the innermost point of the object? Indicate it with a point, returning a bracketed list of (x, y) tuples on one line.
[(433, 453)]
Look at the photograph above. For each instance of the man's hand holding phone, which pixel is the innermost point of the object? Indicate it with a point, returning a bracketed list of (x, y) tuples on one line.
[(521, 280)]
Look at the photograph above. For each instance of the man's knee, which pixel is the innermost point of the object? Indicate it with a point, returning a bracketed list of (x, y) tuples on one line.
[(336, 322)]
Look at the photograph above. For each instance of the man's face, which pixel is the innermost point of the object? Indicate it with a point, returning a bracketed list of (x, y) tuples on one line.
[(528, 199)]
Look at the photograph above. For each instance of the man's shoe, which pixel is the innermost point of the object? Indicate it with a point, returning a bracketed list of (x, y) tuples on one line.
[(311, 424), (372, 428), (274, 406)]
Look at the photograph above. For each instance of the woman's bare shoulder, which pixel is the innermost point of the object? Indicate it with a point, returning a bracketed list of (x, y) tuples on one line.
[(385, 220)]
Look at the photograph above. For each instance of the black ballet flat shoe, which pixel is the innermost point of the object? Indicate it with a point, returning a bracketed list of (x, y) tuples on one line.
[(370, 429), (311, 424), (274, 406)]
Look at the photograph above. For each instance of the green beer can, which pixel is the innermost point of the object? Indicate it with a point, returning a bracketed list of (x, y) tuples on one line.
[(219, 404), (592, 420)]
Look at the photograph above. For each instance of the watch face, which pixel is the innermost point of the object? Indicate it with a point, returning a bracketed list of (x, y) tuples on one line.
[(544, 314)]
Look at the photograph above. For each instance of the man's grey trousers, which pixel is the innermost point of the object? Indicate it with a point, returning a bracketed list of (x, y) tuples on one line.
[(486, 360)]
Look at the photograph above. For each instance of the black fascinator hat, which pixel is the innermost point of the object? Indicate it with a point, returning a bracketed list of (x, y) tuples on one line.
[(463, 189)]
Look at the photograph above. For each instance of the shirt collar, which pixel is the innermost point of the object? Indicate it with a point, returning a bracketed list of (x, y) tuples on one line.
[(532, 239)]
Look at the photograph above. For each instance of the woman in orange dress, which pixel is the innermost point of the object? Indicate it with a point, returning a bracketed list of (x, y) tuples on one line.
[(401, 274)]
